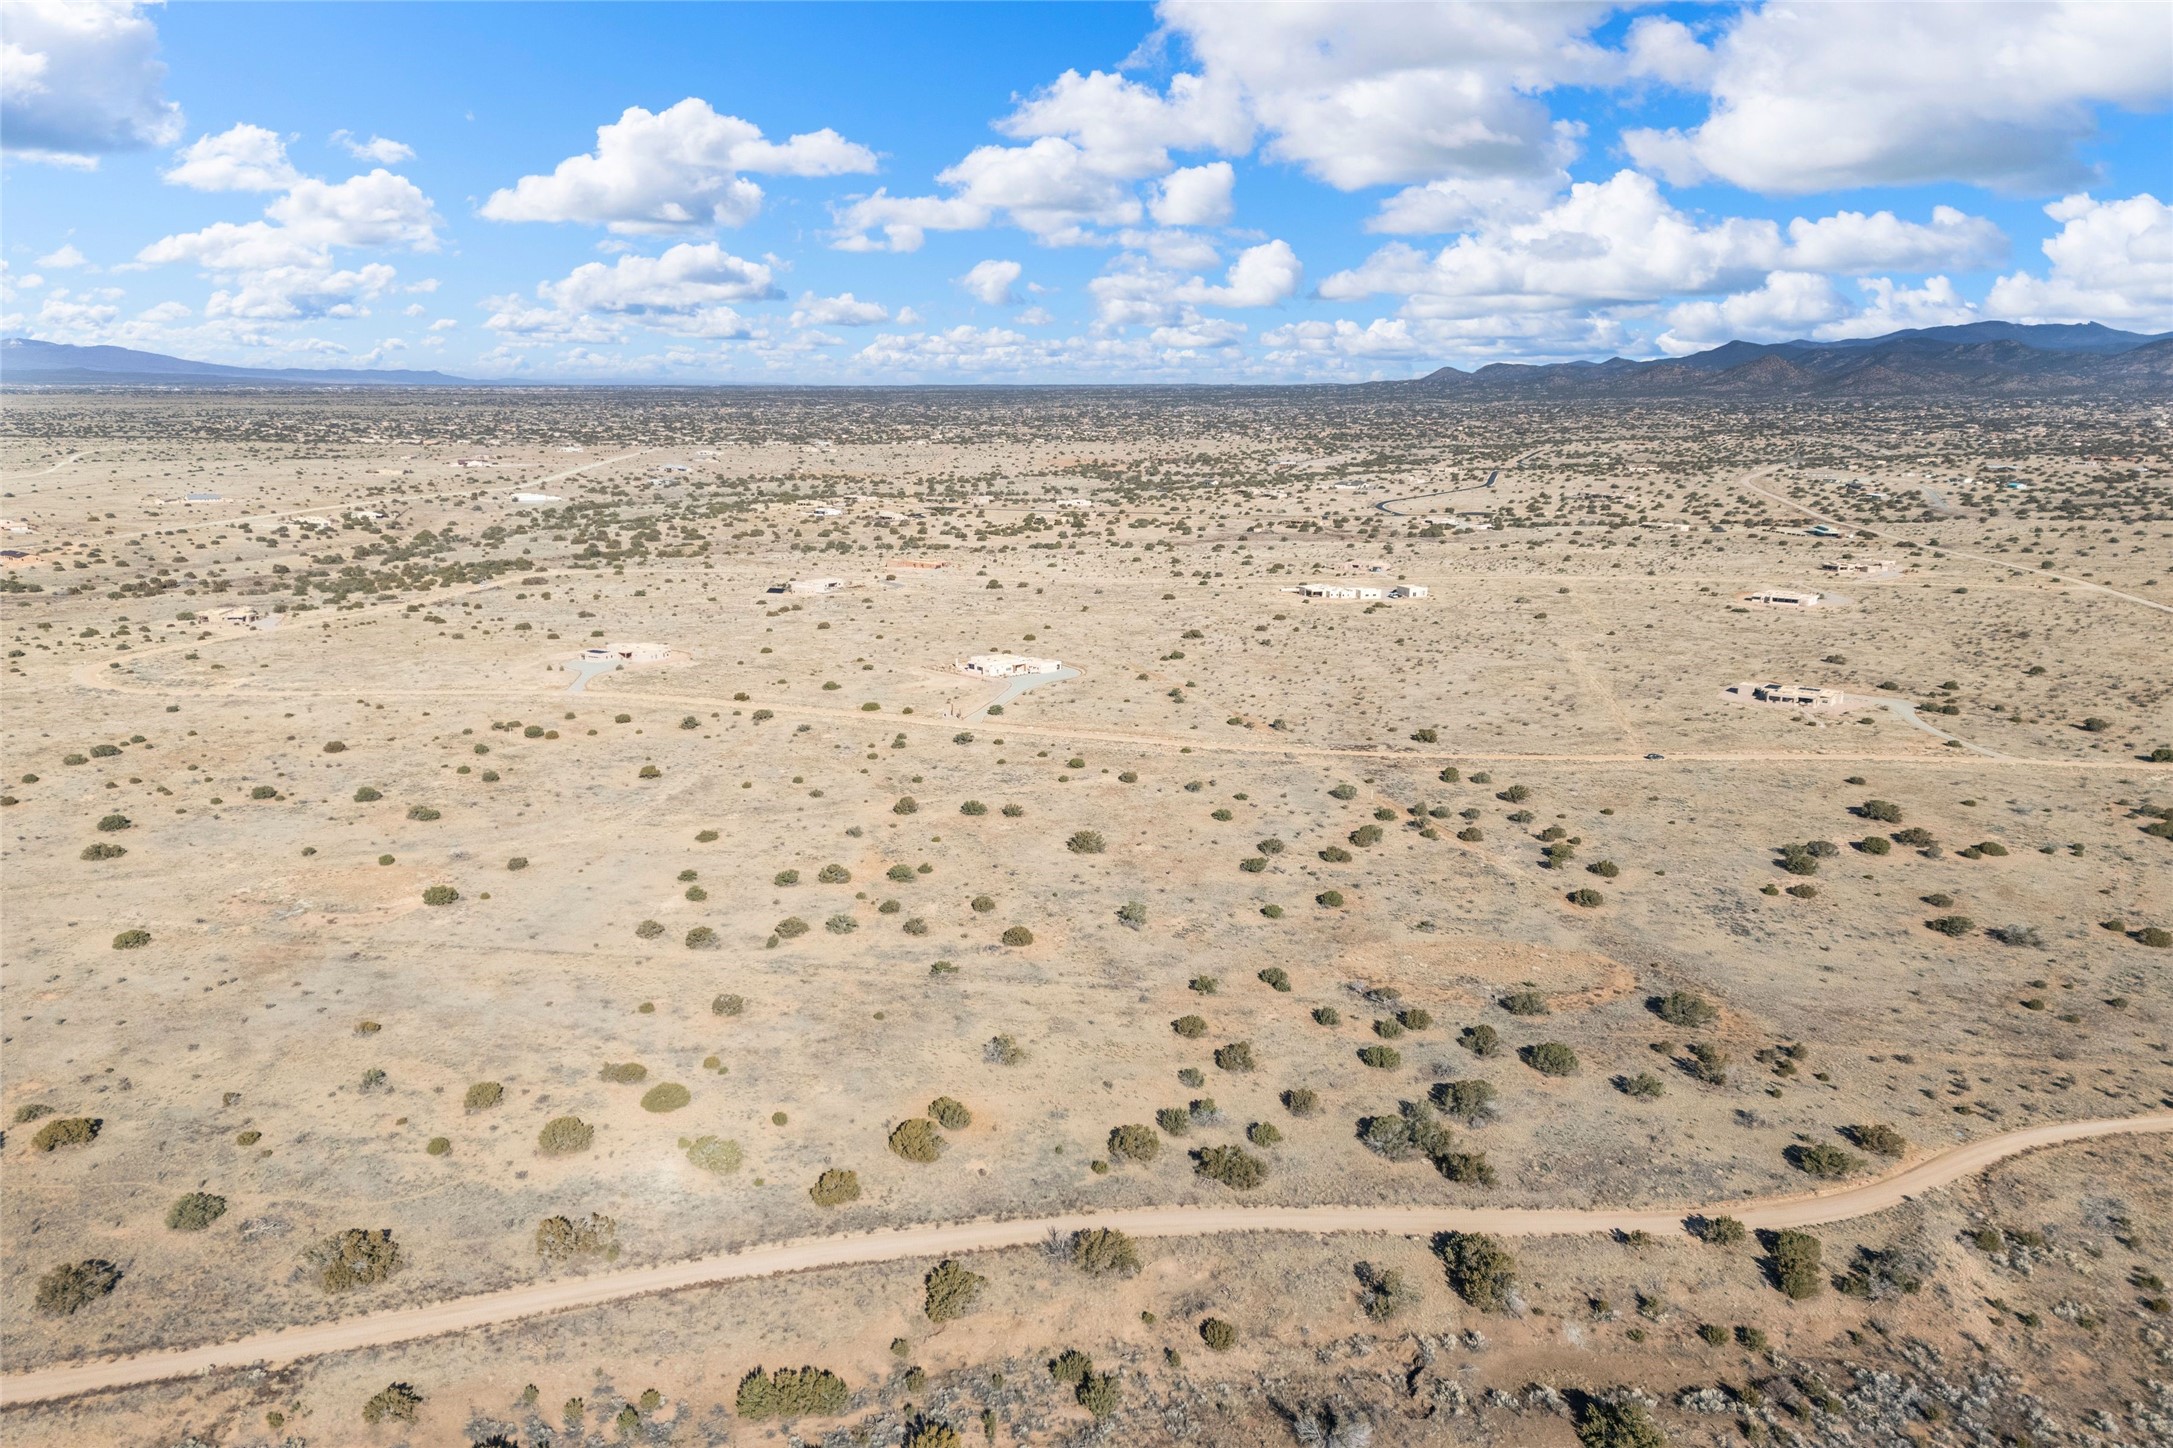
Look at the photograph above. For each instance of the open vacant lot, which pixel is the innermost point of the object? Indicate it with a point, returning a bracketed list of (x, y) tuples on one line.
[(357, 960)]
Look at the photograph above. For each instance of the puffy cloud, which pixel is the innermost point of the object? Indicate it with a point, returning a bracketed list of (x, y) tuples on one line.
[(1199, 334), (80, 79), (1260, 277), (1657, 48), (2112, 261), (991, 282), (903, 220), (1849, 241), (1789, 304), (243, 158), (1195, 195), (377, 148), (1382, 337), (842, 310), (282, 269), (1051, 187), (1362, 95), (672, 170), (64, 258), (1823, 97), (1894, 307), (1126, 129), (686, 292), (1459, 203), (1605, 242), (375, 209), (294, 293)]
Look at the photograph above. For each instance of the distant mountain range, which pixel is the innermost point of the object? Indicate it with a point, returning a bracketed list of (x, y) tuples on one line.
[(1989, 359), (26, 361), (1986, 359)]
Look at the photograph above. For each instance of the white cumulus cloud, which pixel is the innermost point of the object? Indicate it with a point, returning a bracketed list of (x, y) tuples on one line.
[(1260, 277), (1824, 97), (2112, 262), (1195, 195), (991, 282), (241, 158), (377, 148), (842, 310), (80, 79), (673, 170)]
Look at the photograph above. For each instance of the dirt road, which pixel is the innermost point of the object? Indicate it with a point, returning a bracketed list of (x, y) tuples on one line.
[(464, 1314)]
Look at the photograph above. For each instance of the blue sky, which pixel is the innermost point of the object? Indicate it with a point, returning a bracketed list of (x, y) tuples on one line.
[(1181, 192)]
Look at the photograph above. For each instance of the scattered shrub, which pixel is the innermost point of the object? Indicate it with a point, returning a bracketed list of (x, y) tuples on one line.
[(1099, 1394), (1134, 1143), (1616, 1423), (1217, 1334), (1070, 1366), (702, 937), (1264, 1133), (1875, 845), (1550, 1058), (1003, 1051), (560, 1240), (1480, 1040), (1824, 1161), (1525, 1003), (1952, 926), (1190, 1027), (73, 1286), (728, 1005), (835, 1187), (1585, 898), (715, 1154), (1330, 899), (1877, 1138), (1104, 1252), (950, 1113), (804, 1392), (915, 1139), (834, 875), (1721, 1231), (1132, 914), (952, 1291), (1276, 978), (114, 823), (906, 805), (565, 1135), (396, 1401), (132, 940), (1687, 1009), (357, 1257), (1644, 1086), (1480, 1270), (791, 927), (421, 812), (1381, 1058), (440, 895), (1794, 1263), (624, 1073), (1018, 935), (518, 862), (1085, 842), (1233, 1166), (103, 851), (1328, 1016), (1301, 1101), (1469, 1101), (649, 929), (1885, 811), (665, 1096), (67, 1131), (195, 1212), (1236, 1056)]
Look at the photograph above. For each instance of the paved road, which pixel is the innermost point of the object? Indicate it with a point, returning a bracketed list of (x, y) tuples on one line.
[(465, 1314)]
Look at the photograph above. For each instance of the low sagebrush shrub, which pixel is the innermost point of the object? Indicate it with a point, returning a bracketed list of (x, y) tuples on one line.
[(915, 1139), (357, 1257), (565, 1135), (67, 1131), (950, 1113), (72, 1286), (1104, 1252), (835, 1187)]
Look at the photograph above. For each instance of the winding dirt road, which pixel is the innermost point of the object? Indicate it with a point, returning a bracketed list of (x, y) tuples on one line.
[(463, 1314)]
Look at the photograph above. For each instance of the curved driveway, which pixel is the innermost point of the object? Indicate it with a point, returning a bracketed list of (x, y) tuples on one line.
[(463, 1314)]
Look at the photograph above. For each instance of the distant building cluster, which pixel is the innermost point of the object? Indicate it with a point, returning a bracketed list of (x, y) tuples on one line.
[(1007, 666), (1360, 590), (1788, 696)]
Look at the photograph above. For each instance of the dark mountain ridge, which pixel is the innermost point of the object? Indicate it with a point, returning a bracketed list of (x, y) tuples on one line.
[(2008, 359)]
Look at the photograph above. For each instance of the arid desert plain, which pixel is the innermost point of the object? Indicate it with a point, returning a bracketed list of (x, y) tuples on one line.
[(1382, 986)]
